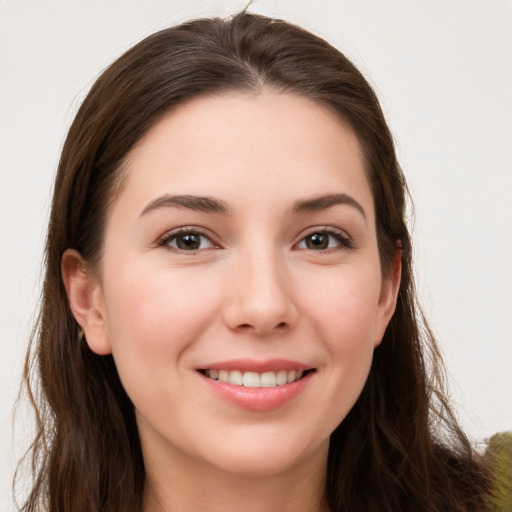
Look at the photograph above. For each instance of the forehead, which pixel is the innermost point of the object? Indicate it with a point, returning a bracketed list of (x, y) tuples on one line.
[(274, 143)]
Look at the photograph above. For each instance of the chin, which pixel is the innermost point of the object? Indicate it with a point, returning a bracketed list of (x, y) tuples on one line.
[(266, 457)]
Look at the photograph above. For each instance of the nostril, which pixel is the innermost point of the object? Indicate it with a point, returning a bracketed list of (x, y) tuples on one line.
[(261, 329)]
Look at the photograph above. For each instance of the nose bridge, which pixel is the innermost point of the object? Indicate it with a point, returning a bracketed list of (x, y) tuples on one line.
[(260, 296)]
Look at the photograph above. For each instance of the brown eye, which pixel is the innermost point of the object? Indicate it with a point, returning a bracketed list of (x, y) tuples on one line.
[(188, 241), (325, 240), (317, 241)]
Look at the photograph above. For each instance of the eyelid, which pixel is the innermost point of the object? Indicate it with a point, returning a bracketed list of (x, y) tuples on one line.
[(164, 239), (346, 242)]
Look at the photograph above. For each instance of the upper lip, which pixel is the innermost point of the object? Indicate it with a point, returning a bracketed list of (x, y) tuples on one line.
[(251, 365)]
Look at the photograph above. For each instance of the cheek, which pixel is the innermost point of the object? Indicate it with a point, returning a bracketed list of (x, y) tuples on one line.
[(344, 304), (343, 310), (153, 316)]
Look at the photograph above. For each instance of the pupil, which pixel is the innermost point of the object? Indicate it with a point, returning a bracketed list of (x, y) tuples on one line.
[(318, 241), (189, 241)]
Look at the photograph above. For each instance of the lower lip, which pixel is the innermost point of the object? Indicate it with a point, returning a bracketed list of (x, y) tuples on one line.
[(258, 399)]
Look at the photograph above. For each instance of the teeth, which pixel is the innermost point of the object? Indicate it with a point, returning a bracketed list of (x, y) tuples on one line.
[(251, 380), (235, 378), (281, 377), (255, 380), (268, 380)]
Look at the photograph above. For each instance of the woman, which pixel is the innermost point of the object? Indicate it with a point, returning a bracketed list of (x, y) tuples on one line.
[(228, 317)]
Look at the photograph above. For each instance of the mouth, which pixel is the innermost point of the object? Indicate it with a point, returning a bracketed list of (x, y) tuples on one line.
[(257, 386), (249, 379)]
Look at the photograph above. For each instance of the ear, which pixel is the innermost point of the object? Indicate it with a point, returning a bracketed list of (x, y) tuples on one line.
[(388, 296), (85, 299)]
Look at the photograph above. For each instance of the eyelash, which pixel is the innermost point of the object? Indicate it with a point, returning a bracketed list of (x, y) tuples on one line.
[(343, 240), (166, 240)]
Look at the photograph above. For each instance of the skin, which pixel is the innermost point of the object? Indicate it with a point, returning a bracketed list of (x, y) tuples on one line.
[(255, 288)]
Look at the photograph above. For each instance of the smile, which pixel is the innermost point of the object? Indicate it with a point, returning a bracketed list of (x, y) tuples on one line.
[(257, 385), (249, 379)]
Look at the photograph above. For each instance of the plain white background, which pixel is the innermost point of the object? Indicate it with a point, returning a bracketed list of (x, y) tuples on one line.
[(443, 72)]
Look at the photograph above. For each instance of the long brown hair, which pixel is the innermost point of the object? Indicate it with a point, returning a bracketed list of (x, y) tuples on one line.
[(400, 447)]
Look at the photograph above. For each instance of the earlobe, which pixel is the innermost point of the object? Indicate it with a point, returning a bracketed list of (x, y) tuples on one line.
[(389, 295), (85, 300)]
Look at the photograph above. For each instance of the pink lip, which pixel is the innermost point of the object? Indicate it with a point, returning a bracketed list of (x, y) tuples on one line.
[(258, 399), (249, 365)]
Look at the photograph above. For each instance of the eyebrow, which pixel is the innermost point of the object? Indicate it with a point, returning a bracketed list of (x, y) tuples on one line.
[(324, 202), (197, 203), (212, 205)]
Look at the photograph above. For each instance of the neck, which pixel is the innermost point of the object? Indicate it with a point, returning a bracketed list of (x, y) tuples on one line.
[(188, 486)]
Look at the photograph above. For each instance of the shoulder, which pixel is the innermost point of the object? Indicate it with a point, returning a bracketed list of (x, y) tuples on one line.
[(499, 456)]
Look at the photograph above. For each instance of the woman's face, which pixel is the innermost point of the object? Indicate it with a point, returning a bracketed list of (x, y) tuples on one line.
[(242, 248)]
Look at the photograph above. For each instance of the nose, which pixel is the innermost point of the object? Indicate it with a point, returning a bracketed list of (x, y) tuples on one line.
[(260, 296)]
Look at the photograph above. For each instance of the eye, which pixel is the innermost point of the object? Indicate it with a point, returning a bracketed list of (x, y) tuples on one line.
[(325, 239), (187, 240)]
